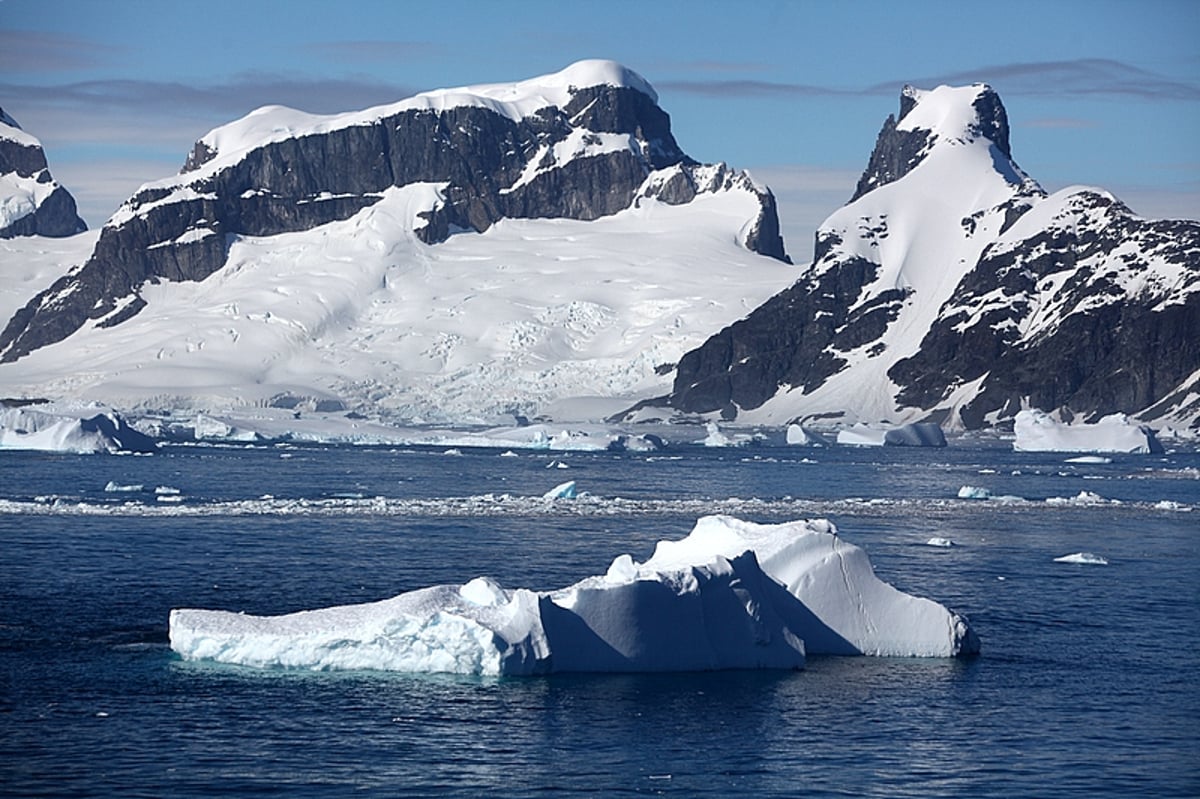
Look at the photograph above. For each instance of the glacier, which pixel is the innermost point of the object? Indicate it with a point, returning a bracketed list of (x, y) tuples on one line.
[(732, 594)]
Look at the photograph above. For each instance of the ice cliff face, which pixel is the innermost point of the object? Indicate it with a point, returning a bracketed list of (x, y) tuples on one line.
[(31, 202), (952, 287), (582, 144)]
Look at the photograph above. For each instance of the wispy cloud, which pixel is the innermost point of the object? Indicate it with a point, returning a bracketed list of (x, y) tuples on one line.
[(240, 94), (23, 51), (1081, 77), (1085, 76)]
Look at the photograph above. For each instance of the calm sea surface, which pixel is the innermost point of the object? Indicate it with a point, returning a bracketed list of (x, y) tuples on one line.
[(1087, 685)]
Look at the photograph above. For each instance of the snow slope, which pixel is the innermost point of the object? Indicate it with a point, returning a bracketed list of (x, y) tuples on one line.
[(363, 313), (952, 288)]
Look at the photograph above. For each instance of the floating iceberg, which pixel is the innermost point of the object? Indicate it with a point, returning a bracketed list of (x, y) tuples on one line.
[(1038, 432), (974, 492), (941, 543), (562, 491), (53, 430), (731, 595), (1086, 558), (921, 434)]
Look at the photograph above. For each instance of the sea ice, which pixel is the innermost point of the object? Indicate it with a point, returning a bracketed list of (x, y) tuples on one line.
[(944, 543), (732, 594), (1038, 432)]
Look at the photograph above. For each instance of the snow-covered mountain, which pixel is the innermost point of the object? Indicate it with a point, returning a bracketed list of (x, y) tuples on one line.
[(31, 202), (460, 254), (951, 287)]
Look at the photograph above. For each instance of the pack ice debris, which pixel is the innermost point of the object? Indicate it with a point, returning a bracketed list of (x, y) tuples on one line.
[(1039, 432), (731, 595)]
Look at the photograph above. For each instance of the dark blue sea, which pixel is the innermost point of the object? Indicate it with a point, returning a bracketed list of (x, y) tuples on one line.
[(1088, 684)]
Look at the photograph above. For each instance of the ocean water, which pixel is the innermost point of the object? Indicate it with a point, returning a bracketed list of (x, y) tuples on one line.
[(1087, 684)]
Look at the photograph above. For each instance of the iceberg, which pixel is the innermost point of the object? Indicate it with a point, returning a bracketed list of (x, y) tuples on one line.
[(1038, 432), (1086, 558), (53, 430), (920, 434), (731, 595), (565, 490)]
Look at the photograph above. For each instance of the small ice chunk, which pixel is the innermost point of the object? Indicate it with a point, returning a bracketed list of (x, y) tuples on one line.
[(562, 491), (973, 492), (622, 570), (1097, 459), (114, 487), (944, 543), (1088, 558), (166, 491), (485, 592)]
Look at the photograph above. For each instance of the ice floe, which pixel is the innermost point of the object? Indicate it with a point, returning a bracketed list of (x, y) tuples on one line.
[(732, 594)]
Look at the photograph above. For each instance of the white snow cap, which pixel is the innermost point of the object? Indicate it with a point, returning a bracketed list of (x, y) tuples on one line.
[(514, 100), (947, 110), (732, 595)]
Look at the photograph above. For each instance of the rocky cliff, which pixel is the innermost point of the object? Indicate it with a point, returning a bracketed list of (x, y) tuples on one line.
[(952, 287), (31, 202), (581, 144)]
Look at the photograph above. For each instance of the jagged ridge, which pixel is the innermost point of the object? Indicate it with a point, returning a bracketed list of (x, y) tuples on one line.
[(995, 297), (495, 152)]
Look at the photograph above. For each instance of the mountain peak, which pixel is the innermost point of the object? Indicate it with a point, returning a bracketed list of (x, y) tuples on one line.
[(957, 115), (31, 202)]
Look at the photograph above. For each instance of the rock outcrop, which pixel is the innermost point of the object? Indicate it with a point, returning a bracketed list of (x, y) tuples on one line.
[(952, 287), (579, 144), (31, 202)]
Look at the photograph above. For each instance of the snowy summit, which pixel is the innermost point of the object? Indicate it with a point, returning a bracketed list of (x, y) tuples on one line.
[(459, 255)]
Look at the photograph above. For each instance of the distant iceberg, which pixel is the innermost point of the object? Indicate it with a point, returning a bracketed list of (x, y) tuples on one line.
[(84, 431), (731, 595), (920, 434), (1084, 558), (1038, 432)]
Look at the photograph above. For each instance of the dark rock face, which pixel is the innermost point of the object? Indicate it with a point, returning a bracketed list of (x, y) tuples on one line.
[(793, 339), (299, 183), (1101, 351), (56, 214), (1093, 312)]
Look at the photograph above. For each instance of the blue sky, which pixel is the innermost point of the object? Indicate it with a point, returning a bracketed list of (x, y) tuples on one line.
[(1099, 92)]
